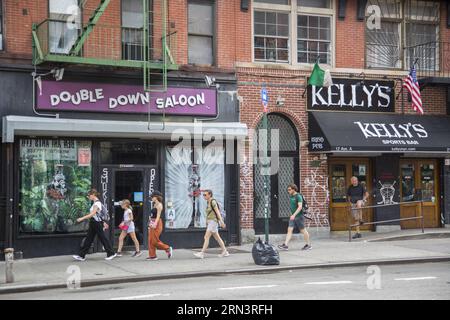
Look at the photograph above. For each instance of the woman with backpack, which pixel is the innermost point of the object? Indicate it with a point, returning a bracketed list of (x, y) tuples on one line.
[(128, 228), (97, 227), (213, 220)]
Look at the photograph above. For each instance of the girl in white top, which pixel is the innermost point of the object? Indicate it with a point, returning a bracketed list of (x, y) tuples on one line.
[(127, 227)]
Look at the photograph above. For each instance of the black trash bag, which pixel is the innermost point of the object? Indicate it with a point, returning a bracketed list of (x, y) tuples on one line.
[(265, 254)]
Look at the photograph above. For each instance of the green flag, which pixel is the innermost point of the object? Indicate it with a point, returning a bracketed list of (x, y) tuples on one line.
[(319, 77)]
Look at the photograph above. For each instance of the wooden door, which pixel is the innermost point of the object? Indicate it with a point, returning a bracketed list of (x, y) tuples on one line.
[(419, 181), (341, 171)]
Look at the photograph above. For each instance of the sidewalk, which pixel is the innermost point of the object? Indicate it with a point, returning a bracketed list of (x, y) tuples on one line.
[(334, 251)]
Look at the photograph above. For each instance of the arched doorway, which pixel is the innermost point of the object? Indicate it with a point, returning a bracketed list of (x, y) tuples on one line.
[(288, 172)]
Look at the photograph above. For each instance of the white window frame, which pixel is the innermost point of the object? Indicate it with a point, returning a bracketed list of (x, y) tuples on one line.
[(294, 11)]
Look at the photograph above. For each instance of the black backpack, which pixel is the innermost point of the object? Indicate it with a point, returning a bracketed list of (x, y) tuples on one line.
[(305, 206)]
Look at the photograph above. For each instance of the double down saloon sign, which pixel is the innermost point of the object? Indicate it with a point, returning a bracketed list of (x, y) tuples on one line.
[(353, 95)]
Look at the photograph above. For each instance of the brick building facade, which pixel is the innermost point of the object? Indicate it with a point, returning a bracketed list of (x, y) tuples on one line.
[(348, 59)]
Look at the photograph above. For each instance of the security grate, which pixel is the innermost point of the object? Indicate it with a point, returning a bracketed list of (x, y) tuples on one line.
[(285, 177), (288, 139), (259, 193)]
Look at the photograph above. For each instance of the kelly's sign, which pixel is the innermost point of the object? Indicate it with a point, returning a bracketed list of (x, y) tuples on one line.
[(353, 95), (118, 98)]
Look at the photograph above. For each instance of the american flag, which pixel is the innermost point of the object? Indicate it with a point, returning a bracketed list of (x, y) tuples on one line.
[(412, 85)]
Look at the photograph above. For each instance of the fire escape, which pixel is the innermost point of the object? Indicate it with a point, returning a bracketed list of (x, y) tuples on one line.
[(66, 37)]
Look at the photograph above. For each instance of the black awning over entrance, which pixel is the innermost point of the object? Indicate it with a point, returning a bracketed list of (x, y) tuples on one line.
[(371, 132)]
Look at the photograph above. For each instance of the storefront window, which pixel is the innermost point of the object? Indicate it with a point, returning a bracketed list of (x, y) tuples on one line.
[(55, 176), (185, 180), (408, 187), (427, 182), (360, 171), (128, 153), (339, 192)]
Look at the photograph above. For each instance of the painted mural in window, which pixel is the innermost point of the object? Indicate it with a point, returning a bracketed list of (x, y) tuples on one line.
[(186, 179), (55, 176)]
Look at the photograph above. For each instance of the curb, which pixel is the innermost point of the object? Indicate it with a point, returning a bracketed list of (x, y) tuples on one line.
[(417, 236), (256, 270)]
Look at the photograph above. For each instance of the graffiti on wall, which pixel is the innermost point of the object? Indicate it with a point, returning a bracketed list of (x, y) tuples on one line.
[(246, 184), (317, 185)]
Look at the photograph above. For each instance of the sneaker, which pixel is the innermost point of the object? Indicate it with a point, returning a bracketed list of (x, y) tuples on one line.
[(359, 235), (78, 258), (119, 254), (170, 253), (111, 257), (152, 258), (356, 236), (200, 255), (283, 247), (224, 254), (137, 254), (306, 247)]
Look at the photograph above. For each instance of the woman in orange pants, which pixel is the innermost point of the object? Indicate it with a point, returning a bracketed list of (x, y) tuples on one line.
[(155, 229)]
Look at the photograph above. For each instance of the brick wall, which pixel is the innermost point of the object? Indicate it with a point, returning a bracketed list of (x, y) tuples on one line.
[(232, 30), (289, 85), (350, 39)]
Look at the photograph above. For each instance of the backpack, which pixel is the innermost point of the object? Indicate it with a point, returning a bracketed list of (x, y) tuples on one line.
[(222, 213), (305, 206), (103, 215)]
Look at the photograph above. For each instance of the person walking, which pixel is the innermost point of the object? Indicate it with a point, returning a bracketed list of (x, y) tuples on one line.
[(128, 228), (97, 228), (357, 196), (155, 229), (297, 218), (213, 220)]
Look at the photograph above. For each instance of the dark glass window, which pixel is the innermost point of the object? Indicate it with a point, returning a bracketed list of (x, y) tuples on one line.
[(339, 191), (143, 153)]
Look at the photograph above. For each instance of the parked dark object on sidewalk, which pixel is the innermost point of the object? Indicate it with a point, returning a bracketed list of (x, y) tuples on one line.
[(265, 254)]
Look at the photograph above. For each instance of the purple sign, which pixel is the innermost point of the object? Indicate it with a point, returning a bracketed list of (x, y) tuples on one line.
[(118, 98)]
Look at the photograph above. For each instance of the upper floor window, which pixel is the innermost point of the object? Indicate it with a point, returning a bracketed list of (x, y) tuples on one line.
[(408, 30), (271, 36), (64, 26), (293, 31), (1, 25), (132, 30), (201, 32)]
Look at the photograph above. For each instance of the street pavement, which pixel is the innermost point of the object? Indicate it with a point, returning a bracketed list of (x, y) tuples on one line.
[(428, 281), (53, 272)]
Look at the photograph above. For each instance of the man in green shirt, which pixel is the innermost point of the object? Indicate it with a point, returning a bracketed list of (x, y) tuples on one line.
[(297, 219)]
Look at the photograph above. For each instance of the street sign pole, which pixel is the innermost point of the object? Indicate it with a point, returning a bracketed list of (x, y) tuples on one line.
[(265, 103)]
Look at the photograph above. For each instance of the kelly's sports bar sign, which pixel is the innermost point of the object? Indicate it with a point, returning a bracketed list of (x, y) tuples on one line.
[(119, 98), (353, 95)]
